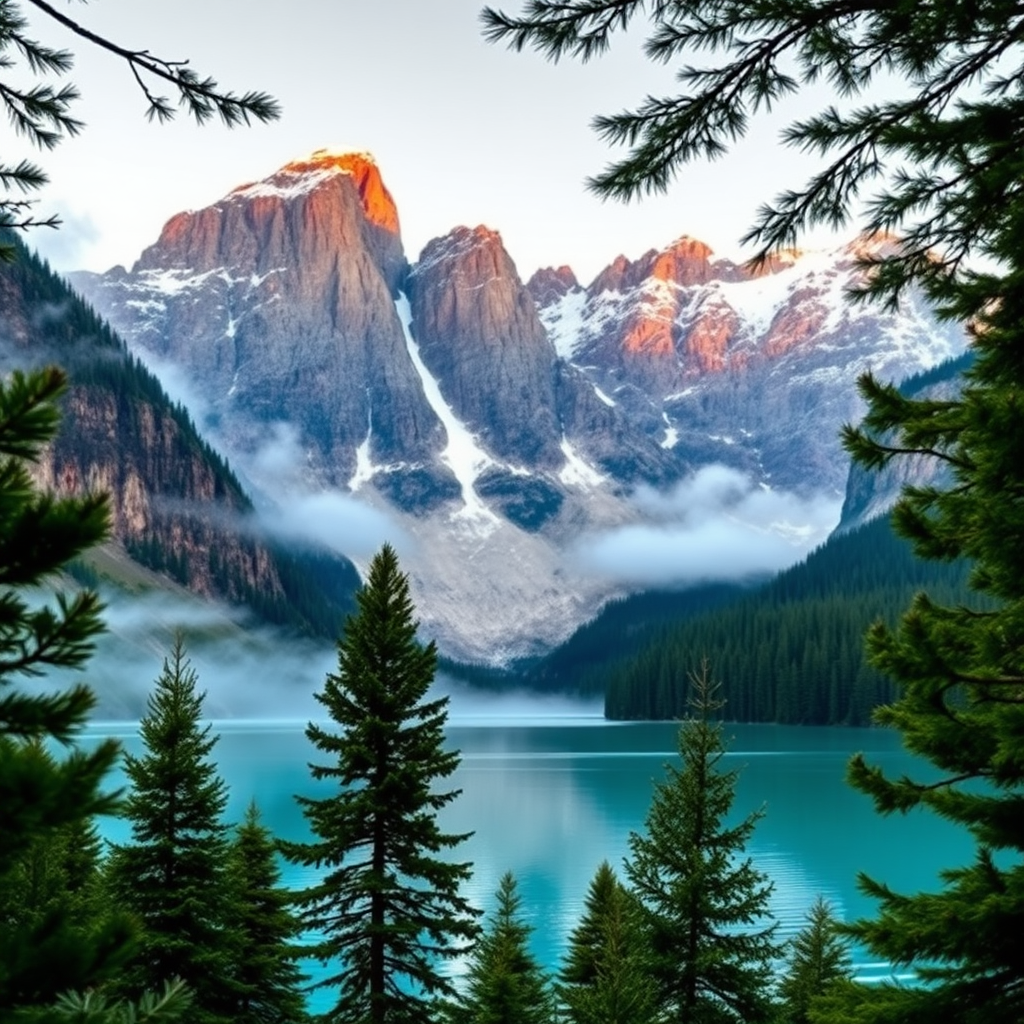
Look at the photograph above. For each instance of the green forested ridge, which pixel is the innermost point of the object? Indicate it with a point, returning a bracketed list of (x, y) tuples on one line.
[(623, 628), (792, 651), (43, 319)]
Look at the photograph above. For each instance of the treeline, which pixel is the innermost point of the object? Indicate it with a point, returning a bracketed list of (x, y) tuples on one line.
[(182, 537), (793, 651), (191, 923)]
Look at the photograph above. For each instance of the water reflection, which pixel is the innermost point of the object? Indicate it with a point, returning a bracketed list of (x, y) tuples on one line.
[(551, 800)]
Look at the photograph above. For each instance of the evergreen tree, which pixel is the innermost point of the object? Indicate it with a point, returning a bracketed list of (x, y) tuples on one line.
[(819, 957), (604, 978), (58, 876), (948, 149), (46, 946), (172, 875), (703, 904), (505, 984), (263, 930), (388, 906)]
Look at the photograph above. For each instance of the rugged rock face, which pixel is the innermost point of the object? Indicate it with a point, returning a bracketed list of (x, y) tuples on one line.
[(176, 507), (754, 370), (480, 337), (498, 422), (279, 300)]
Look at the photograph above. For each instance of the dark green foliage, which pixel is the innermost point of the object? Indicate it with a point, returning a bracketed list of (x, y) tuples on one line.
[(388, 906), (704, 906), (56, 877), (263, 929), (819, 958), (604, 978), (96, 1007), (173, 875), (608, 643), (48, 940), (793, 651), (504, 983)]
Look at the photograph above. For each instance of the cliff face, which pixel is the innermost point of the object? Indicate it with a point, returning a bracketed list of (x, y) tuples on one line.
[(497, 423), (870, 494), (176, 507), (280, 301), (480, 336)]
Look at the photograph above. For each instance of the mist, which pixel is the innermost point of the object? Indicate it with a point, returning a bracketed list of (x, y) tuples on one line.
[(716, 525), (253, 672)]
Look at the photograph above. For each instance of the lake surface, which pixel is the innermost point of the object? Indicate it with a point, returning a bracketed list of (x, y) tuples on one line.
[(550, 798)]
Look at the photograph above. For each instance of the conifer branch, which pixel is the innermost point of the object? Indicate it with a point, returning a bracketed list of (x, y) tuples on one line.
[(202, 97)]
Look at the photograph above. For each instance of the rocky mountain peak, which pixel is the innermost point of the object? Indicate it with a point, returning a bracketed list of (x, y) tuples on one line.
[(685, 262), (549, 284), (305, 175), (479, 333)]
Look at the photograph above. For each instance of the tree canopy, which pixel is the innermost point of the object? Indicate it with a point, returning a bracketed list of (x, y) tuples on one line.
[(944, 153)]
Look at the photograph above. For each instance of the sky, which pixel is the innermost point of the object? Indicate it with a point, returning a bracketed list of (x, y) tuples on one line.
[(464, 132)]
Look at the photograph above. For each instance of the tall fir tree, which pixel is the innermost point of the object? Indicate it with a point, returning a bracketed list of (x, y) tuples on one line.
[(604, 977), (704, 906), (388, 905), (818, 960), (173, 874), (504, 982), (46, 946), (266, 979), (944, 154)]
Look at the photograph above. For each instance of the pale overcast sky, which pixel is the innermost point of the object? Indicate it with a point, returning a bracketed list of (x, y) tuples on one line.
[(464, 132)]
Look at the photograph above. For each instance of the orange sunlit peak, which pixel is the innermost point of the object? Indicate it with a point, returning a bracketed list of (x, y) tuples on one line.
[(336, 153)]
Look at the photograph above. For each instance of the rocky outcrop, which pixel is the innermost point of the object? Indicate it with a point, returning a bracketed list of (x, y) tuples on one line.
[(280, 300), (480, 336), (872, 493), (175, 505)]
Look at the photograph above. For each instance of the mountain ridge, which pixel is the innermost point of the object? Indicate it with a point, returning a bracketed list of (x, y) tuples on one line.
[(502, 426)]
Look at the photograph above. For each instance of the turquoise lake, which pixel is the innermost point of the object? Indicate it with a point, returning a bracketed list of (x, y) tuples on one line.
[(551, 797)]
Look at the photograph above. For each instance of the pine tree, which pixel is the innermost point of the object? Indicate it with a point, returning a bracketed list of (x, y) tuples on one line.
[(388, 906), (173, 875), (819, 957), (46, 948), (604, 978), (505, 984), (947, 149), (704, 906), (263, 930)]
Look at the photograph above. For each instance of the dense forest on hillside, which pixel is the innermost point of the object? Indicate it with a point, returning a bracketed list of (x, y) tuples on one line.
[(792, 651), (119, 426)]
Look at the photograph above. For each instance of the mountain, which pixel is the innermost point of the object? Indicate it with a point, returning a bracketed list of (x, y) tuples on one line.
[(872, 493), (499, 425), (751, 369), (176, 506)]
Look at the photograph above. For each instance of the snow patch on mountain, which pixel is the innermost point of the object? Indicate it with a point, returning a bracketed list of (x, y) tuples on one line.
[(577, 472), (563, 320), (463, 456)]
